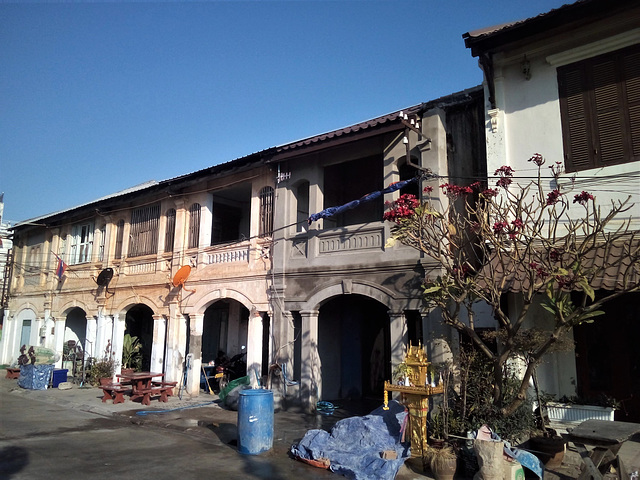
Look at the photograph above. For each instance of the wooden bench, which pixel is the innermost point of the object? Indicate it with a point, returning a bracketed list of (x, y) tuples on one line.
[(163, 389), (115, 392), (13, 373)]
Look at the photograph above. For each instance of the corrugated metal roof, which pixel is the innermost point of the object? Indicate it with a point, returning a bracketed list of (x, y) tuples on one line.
[(390, 119), (484, 39)]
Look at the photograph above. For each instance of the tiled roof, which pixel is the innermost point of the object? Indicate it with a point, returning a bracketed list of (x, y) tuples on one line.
[(485, 39)]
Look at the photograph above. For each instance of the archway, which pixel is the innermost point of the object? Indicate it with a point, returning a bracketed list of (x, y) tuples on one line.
[(224, 329), (75, 327), (139, 323), (354, 348)]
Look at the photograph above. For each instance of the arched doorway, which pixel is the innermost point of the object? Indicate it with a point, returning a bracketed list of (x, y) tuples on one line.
[(354, 348), (224, 329), (75, 328), (139, 323)]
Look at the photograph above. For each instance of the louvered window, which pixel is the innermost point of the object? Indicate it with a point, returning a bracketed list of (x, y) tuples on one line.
[(119, 238), (600, 109), (143, 238), (266, 211), (170, 230), (194, 225)]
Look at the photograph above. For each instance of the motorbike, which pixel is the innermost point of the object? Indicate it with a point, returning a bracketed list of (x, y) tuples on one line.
[(231, 369)]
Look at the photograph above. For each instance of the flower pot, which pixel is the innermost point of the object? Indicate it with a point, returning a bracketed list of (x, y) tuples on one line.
[(105, 381), (444, 468), (550, 450)]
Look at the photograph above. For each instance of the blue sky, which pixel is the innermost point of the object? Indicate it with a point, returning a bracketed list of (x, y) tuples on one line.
[(96, 97)]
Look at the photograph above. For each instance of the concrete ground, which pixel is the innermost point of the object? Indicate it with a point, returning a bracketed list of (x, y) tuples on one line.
[(204, 421)]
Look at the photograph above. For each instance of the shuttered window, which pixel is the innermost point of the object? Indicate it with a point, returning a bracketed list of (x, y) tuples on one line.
[(119, 239), (170, 230), (600, 109), (143, 238), (81, 243), (266, 211), (194, 225)]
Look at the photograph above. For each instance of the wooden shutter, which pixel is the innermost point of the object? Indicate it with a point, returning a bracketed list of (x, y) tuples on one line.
[(600, 110)]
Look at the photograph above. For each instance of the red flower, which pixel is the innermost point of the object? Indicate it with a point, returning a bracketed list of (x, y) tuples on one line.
[(499, 227), (428, 189), (537, 159), (582, 198), (402, 208), (553, 196)]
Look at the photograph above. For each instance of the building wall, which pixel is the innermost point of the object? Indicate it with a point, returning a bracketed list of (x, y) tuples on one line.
[(527, 120)]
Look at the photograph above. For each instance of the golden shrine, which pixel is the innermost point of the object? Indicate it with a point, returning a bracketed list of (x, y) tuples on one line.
[(415, 396)]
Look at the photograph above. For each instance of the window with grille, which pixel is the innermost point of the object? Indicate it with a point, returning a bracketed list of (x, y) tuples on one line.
[(266, 211), (194, 225), (103, 238), (600, 110), (143, 238), (119, 239), (81, 243), (170, 231)]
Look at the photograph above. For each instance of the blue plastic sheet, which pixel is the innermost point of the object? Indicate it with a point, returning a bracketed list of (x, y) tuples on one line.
[(355, 445), (35, 377)]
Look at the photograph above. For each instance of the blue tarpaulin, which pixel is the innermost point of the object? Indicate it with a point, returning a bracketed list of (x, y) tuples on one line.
[(35, 377), (355, 446)]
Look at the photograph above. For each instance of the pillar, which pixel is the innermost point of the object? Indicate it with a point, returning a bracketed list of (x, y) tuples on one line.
[(399, 335), (157, 350), (254, 347), (176, 344), (59, 339), (311, 371), (117, 337), (195, 348), (90, 344)]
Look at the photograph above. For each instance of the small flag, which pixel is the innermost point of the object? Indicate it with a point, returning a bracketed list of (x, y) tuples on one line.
[(62, 267)]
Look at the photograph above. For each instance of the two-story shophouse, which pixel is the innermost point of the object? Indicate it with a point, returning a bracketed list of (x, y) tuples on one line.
[(345, 304), (566, 84), (325, 298), (180, 264)]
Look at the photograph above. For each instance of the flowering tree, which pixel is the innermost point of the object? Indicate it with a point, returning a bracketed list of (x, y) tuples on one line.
[(485, 242)]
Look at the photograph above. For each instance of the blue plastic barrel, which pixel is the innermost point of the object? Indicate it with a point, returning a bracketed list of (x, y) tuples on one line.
[(255, 421)]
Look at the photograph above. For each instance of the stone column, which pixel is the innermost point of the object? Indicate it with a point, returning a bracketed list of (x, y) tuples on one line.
[(104, 333), (399, 336), (254, 347), (159, 336), (117, 336), (176, 344), (195, 348), (311, 371), (90, 338), (59, 339)]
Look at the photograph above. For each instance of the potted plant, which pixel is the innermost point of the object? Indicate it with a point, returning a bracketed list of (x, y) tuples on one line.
[(131, 355), (442, 461), (103, 370)]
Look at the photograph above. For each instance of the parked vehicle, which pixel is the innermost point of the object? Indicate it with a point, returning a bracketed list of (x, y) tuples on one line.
[(230, 369)]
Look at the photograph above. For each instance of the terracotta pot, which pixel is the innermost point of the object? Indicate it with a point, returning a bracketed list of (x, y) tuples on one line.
[(444, 468), (127, 371), (550, 450)]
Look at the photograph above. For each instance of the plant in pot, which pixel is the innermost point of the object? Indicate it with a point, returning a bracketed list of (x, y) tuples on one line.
[(131, 354), (103, 370), (442, 461)]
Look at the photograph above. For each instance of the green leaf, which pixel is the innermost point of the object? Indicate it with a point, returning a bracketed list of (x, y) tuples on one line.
[(435, 288)]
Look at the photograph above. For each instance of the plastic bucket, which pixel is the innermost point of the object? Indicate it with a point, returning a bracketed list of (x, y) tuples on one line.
[(255, 421)]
